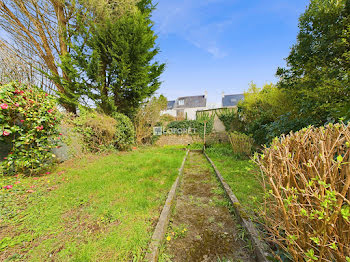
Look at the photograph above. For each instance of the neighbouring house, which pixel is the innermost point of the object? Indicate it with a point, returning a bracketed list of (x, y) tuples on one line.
[(231, 100), (228, 101), (187, 106)]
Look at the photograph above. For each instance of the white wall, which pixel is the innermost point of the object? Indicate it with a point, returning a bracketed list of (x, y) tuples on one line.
[(191, 112), (171, 112)]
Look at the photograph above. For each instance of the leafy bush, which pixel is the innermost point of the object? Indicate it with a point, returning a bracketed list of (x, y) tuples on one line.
[(260, 108), (98, 130), (147, 117), (284, 125), (28, 121), (231, 119), (125, 133), (307, 210), (193, 124), (241, 144), (166, 118)]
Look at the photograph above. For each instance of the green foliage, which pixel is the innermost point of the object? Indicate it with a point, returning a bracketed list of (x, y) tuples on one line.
[(241, 174), (147, 117), (117, 63), (125, 133), (285, 124), (231, 119), (101, 132), (261, 108), (98, 130), (317, 76), (28, 120), (194, 124)]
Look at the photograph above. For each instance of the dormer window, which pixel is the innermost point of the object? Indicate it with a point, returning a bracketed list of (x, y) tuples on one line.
[(181, 102)]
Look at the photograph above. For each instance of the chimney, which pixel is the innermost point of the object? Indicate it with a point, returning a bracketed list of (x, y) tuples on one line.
[(223, 94), (205, 94)]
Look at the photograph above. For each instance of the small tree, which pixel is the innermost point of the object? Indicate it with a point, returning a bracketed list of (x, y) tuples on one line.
[(147, 117)]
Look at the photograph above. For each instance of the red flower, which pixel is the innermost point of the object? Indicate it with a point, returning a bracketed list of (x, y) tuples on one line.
[(22, 121), (48, 173), (4, 106), (46, 94), (39, 127), (17, 92), (17, 182), (16, 104), (60, 134), (50, 111), (5, 133), (21, 92), (5, 157), (8, 187)]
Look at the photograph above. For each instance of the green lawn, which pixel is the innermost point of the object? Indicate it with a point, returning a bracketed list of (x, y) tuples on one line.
[(242, 175), (99, 208)]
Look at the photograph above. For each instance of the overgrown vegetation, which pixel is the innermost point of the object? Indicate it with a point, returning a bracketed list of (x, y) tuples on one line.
[(231, 119), (307, 211), (147, 117), (241, 143), (102, 132), (28, 121), (203, 123)]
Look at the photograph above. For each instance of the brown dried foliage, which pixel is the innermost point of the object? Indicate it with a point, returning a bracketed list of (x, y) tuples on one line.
[(241, 143), (307, 184)]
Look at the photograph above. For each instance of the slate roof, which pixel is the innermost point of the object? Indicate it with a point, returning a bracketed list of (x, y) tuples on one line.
[(171, 104), (191, 102), (231, 100)]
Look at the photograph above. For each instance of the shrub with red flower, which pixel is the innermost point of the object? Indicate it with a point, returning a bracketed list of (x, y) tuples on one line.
[(29, 121)]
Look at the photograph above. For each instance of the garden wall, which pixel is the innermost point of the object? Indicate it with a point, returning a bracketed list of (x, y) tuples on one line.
[(218, 125), (178, 140), (217, 138)]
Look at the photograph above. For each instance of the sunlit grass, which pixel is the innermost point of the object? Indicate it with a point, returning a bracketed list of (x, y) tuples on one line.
[(100, 209), (242, 176)]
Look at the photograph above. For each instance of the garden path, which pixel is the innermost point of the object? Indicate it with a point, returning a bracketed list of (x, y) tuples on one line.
[(202, 227)]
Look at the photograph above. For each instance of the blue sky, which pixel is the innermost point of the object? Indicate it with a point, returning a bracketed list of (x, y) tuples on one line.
[(222, 45)]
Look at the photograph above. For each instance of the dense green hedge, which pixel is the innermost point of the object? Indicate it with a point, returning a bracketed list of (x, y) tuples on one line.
[(125, 133), (102, 132), (193, 124)]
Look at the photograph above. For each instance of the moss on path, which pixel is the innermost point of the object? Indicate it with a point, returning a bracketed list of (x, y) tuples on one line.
[(202, 227)]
